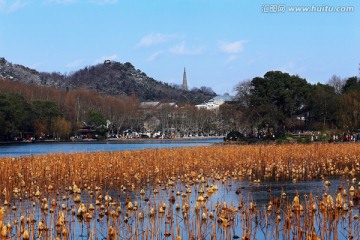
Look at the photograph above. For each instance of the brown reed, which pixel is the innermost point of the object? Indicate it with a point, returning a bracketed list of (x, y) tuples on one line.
[(66, 178)]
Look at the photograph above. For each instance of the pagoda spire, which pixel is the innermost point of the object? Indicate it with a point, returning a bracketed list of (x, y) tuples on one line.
[(184, 84)]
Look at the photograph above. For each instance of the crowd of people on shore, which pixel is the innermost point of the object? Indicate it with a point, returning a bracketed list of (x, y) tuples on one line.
[(345, 137), (305, 136)]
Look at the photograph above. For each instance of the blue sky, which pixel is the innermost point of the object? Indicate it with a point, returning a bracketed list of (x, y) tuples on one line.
[(220, 42)]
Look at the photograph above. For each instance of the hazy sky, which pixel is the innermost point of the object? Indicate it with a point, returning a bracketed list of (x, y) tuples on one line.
[(220, 42)]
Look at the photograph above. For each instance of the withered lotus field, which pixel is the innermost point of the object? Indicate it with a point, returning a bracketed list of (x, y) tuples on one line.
[(184, 193)]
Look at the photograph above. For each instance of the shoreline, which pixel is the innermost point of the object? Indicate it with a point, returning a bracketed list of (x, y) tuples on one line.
[(110, 140), (164, 139)]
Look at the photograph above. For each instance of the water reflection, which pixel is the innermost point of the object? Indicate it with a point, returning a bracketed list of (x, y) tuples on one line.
[(164, 210)]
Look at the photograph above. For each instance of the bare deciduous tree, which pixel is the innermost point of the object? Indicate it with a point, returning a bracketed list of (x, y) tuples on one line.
[(243, 92), (337, 83)]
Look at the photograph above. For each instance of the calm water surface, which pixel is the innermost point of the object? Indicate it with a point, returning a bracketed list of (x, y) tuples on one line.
[(16, 150), (97, 227)]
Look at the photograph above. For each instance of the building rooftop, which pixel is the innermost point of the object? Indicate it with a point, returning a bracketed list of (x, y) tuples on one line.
[(170, 104), (149, 104), (225, 97), (157, 104)]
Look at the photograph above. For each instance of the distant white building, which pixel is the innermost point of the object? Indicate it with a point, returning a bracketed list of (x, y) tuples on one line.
[(157, 105), (215, 103), (147, 105)]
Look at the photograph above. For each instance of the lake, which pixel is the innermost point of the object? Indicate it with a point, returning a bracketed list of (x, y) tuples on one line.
[(22, 149), (209, 197)]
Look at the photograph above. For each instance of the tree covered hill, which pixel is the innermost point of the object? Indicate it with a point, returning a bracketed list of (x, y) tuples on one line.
[(113, 78)]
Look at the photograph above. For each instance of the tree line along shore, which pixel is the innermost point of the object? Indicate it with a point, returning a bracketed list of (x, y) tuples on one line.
[(273, 105)]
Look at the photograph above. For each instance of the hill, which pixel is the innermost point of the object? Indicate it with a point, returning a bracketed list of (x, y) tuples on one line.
[(109, 78)]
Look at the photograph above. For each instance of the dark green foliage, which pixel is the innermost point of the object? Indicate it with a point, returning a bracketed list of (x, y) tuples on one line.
[(234, 136), (95, 119), (348, 114), (277, 97), (283, 102), (351, 84), (45, 111), (323, 105), (14, 116), (44, 116)]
